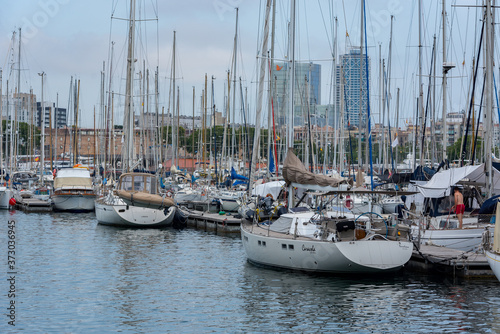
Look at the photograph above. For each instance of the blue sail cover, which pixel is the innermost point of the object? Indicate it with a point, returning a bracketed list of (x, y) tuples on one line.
[(236, 176), (238, 182), (272, 166)]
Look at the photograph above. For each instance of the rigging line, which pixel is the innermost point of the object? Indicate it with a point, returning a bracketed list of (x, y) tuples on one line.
[(326, 28), (405, 102), (307, 33), (345, 23)]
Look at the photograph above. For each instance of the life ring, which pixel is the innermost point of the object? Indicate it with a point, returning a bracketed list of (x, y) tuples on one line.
[(348, 203), (168, 194)]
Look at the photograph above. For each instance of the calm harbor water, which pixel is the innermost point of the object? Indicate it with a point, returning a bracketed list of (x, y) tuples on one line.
[(73, 275)]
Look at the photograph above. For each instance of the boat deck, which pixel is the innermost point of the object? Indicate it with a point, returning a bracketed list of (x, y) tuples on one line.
[(449, 261)]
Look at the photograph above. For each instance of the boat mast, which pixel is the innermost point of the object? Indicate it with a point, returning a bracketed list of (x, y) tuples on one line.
[(420, 84), (1, 126), (42, 115), (18, 108), (335, 111), (128, 131), (235, 57), (444, 129), (271, 148), (489, 50), (360, 162), (263, 61), (291, 84), (174, 113)]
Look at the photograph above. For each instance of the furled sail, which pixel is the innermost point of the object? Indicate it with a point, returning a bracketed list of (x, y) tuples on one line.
[(294, 171)]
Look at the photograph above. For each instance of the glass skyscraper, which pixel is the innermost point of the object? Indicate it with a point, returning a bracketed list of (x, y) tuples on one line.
[(307, 90), (351, 73)]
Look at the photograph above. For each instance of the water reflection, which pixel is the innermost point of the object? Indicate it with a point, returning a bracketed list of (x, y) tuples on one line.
[(78, 276)]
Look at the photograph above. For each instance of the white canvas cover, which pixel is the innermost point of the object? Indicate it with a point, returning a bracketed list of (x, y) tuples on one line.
[(440, 184), (272, 188)]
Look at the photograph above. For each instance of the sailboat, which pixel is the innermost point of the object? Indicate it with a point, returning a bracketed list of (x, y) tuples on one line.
[(325, 241), (493, 254), (322, 241), (121, 209)]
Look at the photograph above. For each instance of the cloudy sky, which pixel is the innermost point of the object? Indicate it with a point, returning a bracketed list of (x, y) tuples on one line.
[(71, 38)]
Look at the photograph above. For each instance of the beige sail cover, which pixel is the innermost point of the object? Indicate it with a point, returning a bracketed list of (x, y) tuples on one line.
[(294, 171)]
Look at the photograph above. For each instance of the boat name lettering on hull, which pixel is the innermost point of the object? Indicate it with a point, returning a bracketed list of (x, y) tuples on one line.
[(308, 249)]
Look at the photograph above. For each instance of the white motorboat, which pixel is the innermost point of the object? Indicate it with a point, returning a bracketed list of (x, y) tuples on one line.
[(73, 190), (230, 200), (188, 194)]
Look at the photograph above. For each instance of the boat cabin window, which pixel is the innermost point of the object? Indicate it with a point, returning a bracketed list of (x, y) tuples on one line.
[(126, 183), (139, 183), (150, 185)]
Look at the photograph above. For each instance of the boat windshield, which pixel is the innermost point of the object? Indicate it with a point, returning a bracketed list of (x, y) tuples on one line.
[(126, 183), (142, 183)]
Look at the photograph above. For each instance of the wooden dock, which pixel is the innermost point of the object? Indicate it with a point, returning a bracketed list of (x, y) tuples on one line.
[(213, 222), (33, 205), (444, 260)]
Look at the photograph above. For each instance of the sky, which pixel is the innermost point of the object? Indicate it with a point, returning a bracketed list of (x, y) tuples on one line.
[(70, 38)]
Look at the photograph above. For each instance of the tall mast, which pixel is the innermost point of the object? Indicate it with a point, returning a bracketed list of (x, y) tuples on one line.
[(18, 108), (420, 84), (444, 129), (174, 132), (335, 113), (42, 115), (433, 117), (291, 83), (235, 57), (128, 151), (389, 73), (360, 162), (381, 105), (489, 49), (263, 61), (192, 142), (397, 127), (109, 130), (1, 122)]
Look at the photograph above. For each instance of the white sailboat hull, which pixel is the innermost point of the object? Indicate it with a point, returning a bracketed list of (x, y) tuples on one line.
[(345, 257), (460, 239), (74, 202), (121, 214), (5, 196), (494, 261)]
